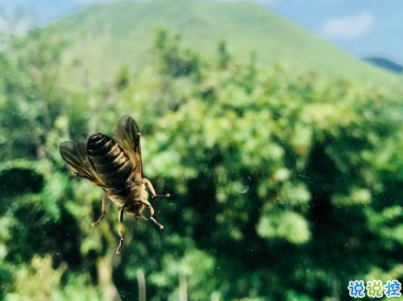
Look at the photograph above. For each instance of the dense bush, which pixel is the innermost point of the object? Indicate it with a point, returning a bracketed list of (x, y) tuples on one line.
[(284, 185)]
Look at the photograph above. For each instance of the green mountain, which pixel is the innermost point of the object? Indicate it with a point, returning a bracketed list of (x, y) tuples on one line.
[(385, 63), (105, 37)]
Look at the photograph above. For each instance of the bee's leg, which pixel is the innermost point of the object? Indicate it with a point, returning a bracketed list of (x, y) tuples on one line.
[(139, 217), (103, 210), (148, 205), (157, 223), (152, 190), (120, 229)]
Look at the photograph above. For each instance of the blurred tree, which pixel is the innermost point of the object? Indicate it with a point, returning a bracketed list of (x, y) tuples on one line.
[(172, 60), (224, 57), (285, 186)]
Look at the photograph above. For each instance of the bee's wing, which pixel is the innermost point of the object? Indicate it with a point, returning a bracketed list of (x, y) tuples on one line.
[(127, 134), (75, 154)]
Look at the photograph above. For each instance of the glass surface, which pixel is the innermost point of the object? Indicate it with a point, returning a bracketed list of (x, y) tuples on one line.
[(276, 157)]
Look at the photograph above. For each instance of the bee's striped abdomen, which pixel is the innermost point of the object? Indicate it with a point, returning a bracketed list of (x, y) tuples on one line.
[(109, 161)]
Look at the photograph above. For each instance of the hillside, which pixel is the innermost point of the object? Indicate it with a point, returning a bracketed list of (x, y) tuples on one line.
[(106, 36), (386, 64)]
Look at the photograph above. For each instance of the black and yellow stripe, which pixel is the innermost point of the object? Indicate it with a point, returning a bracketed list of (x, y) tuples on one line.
[(109, 161)]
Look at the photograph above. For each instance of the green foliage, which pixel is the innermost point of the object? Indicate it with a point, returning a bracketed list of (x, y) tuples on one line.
[(27, 278), (286, 225), (194, 271), (40, 271), (284, 186), (224, 57), (172, 61)]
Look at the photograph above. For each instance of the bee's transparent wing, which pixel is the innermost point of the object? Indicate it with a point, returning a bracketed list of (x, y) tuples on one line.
[(75, 154), (127, 134)]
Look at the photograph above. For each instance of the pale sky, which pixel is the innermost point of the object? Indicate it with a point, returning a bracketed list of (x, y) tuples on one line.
[(361, 27)]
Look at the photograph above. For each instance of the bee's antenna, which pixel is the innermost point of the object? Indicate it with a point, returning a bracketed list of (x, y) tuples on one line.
[(167, 195)]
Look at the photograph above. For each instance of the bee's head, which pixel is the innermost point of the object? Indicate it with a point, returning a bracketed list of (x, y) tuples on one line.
[(134, 208)]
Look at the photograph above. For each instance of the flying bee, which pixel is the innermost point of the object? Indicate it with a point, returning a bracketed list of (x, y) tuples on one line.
[(115, 165)]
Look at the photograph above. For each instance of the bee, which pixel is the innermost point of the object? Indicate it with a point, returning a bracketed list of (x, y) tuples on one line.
[(115, 165)]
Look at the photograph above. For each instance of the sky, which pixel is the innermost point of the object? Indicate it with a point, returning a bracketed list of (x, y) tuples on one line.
[(364, 28)]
